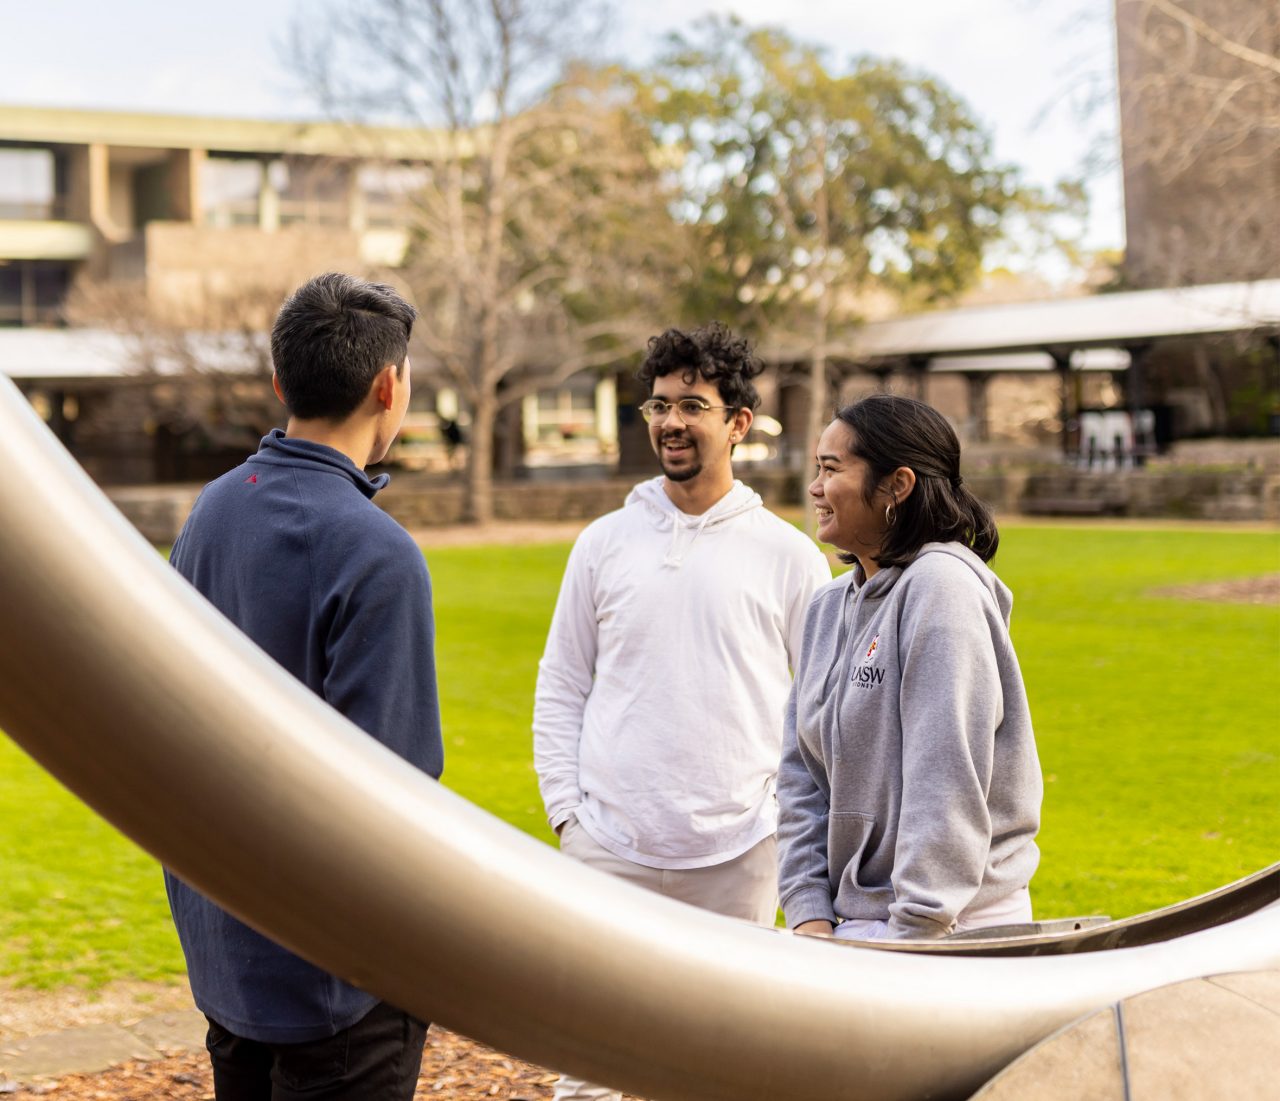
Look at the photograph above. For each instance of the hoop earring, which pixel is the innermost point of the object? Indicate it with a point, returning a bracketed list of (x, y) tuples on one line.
[(890, 514)]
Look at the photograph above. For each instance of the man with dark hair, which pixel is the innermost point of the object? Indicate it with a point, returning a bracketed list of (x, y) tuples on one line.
[(657, 724), (291, 548)]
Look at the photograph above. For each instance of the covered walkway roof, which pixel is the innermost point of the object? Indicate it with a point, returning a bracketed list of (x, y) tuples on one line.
[(1018, 337), (92, 354), (62, 354), (1126, 320)]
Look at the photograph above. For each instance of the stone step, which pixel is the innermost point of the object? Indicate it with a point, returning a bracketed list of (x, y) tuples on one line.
[(94, 1048)]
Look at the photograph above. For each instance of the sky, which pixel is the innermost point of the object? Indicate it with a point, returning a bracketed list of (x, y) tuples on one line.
[(1019, 64)]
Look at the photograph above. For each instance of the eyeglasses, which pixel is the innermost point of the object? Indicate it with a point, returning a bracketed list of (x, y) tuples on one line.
[(691, 410)]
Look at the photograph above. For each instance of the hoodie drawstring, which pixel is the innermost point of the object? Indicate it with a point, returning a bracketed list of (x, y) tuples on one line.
[(675, 553), (662, 510)]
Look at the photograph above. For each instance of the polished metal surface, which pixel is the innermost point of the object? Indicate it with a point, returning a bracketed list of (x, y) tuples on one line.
[(130, 689), (1236, 900)]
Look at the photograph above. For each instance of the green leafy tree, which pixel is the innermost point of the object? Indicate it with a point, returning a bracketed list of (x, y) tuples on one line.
[(808, 186)]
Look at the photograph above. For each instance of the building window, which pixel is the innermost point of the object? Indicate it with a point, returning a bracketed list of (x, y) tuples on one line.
[(389, 192), (28, 185), (229, 189), (567, 413), (242, 191), (33, 292), (313, 191)]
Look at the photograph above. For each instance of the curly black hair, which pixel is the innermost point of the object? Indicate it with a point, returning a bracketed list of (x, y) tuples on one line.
[(711, 352)]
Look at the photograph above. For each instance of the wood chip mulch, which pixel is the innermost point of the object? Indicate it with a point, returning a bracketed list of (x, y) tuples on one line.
[(453, 1069)]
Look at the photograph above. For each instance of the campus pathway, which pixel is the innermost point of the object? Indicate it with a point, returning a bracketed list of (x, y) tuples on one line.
[(162, 1055), (96, 1047), (499, 532)]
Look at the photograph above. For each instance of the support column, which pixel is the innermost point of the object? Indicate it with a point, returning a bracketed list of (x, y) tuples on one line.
[(607, 413), (268, 201), (635, 454), (75, 184), (1136, 400), (1062, 364), (918, 369), (508, 441), (793, 408), (1273, 415), (87, 197), (357, 204), (99, 188), (186, 171), (529, 420), (976, 383)]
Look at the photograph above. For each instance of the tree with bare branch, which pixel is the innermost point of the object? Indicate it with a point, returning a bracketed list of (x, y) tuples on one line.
[(1199, 90), (541, 243), (202, 364)]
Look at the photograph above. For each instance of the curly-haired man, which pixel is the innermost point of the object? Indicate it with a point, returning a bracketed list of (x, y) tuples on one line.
[(657, 722)]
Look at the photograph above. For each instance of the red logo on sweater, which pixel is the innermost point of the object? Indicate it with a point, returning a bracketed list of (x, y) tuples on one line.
[(252, 479)]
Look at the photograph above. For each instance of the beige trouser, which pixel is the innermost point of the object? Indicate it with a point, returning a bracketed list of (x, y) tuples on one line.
[(745, 887)]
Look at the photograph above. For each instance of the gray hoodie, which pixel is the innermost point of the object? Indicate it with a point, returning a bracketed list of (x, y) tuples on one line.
[(910, 788)]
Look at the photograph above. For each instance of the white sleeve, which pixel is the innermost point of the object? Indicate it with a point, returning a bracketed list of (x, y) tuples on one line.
[(811, 575), (565, 677)]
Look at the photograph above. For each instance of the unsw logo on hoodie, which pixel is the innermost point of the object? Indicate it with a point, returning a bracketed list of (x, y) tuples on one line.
[(867, 675)]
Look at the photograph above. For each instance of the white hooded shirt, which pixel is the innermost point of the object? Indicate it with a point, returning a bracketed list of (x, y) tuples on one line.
[(659, 708)]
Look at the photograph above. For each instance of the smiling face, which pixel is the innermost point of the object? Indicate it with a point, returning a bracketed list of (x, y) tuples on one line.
[(845, 518), (690, 451)]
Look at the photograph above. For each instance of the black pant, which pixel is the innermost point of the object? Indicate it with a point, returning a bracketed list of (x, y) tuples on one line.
[(376, 1059)]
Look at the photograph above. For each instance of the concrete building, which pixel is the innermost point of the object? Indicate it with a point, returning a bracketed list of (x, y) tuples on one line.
[(200, 226), (1199, 91), (1199, 85), (187, 205)]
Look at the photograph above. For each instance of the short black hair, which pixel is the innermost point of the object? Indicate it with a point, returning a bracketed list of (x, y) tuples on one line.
[(332, 337), (889, 431), (712, 353)]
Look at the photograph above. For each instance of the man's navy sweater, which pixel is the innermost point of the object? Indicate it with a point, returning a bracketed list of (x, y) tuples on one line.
[(291, 548)]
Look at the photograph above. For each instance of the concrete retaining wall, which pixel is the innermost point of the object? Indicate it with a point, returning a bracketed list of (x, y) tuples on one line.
[(1162, 493), (419, 501)]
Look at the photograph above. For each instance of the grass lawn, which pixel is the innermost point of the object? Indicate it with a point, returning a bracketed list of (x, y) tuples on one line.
[(1156, 719)]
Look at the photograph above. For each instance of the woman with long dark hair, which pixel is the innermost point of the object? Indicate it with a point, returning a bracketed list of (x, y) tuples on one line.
[(910, 788)]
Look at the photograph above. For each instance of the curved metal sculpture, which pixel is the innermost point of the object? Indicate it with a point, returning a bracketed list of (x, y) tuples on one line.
[(1236, 900), (147, 704)]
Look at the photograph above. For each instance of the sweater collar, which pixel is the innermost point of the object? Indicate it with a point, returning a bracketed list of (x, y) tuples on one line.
[(662, 510), (277, 449)]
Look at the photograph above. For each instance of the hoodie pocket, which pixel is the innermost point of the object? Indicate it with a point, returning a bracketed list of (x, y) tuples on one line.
[(848, 833)]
